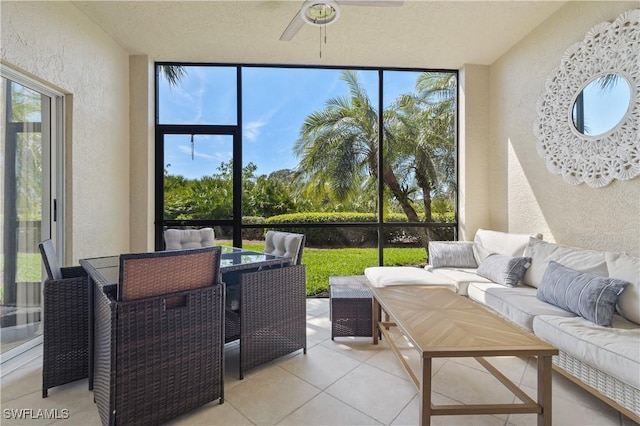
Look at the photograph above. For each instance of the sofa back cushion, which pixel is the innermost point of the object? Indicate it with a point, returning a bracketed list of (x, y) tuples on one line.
[(625, 267), (542, 252), (486, 242)]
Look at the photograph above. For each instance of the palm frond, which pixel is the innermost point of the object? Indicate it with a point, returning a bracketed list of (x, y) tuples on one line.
[(172, 73)]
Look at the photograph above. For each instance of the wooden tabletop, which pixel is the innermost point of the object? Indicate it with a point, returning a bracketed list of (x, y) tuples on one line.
[(441, 323)]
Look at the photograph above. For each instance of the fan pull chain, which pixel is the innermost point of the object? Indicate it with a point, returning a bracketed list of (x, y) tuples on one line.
[(192, 146)]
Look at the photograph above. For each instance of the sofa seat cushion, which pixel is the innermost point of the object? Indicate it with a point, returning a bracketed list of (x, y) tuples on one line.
[(519, 305), (383, 276), (462, 277), (614, 350)]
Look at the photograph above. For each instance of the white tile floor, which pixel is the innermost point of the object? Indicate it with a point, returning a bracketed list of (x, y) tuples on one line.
[(348, 381)]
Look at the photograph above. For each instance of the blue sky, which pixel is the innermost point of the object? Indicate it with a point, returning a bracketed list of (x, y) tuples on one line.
[(275, 103), (604, 108)]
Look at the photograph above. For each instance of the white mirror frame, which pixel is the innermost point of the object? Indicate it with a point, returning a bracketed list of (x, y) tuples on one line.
[(608, 48)]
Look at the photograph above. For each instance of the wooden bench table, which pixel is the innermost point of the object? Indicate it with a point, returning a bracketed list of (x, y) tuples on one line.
[(442, 324)]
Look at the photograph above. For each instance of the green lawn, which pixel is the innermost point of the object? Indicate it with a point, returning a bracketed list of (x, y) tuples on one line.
[(29, 267), (321, 263)]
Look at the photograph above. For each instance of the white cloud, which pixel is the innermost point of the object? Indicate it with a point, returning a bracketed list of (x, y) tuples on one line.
[(187, 149), (252, 129)]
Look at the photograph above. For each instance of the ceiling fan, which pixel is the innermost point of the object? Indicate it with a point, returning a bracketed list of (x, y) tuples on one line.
[(325, 12)]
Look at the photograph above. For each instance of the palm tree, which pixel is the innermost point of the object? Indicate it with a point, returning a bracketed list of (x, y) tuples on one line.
[(173, 73), (338, 146)]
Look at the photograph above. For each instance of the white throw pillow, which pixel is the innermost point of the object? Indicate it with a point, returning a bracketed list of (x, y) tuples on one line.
[(625, 267)]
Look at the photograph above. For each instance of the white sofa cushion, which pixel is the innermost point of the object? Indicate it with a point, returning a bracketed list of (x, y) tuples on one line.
[(625, 267), (486, 242), (541, 252), (517, 304), (462, 277), (383, 276), (615, 350)]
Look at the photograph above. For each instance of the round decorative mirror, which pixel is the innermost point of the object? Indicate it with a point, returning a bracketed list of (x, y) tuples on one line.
[(588, 124), (601, 105)]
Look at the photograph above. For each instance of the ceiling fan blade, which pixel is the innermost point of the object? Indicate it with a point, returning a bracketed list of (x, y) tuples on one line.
[(292, 29), (374, 3)]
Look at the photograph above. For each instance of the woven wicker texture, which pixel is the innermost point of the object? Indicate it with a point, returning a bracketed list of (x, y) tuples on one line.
[(271, 321), (150, 274), (66, 332), (626, 397), (65, 294), (351, 304), (154, 364)]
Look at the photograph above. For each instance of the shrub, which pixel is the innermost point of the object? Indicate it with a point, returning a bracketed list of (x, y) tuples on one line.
[(334, 235)]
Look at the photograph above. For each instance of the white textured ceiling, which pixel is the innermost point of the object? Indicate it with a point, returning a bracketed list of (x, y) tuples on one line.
[(431, 34)]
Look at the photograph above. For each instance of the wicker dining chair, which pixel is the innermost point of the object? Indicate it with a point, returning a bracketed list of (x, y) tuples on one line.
[(160, 337), (270, 317), (65, 356)]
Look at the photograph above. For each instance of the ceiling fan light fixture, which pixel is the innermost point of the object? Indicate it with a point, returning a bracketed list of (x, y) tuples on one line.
[(315, 12)]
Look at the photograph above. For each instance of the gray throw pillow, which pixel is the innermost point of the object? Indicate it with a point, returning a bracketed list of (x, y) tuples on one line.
[(452, 254), (593, 298), (505, 270)]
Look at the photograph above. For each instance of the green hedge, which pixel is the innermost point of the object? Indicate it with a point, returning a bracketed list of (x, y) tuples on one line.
[(337, 236), (340, 236)]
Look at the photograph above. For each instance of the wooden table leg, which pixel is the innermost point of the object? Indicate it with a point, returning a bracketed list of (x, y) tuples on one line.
[(375, 308), (425, 393), (544, 390)]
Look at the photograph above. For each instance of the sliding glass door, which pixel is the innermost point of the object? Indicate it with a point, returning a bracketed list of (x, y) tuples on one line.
[(27, 206)]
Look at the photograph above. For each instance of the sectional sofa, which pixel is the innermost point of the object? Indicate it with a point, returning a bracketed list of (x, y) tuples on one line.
[(584, 302)]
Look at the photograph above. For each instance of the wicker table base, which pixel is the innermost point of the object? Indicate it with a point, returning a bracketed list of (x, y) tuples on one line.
[(350, 304)]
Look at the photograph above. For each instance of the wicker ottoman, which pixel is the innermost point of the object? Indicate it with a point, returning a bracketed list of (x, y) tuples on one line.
[(350, 304)]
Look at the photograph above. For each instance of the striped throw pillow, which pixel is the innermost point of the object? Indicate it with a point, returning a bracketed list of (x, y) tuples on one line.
[(451, 254), (592, 297)]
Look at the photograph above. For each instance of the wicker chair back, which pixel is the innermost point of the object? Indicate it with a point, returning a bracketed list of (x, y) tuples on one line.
[(50, 260), (150, 274)]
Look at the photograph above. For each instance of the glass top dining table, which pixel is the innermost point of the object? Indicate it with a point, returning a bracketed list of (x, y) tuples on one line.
[(232, 259), (104, 271)]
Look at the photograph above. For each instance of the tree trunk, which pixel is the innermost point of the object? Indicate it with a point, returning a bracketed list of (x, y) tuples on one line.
[(392, 181)]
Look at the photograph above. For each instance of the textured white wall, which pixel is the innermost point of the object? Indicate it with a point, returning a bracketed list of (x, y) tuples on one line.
[(525, 196), (474, 195), (54, 42), (142, 148)]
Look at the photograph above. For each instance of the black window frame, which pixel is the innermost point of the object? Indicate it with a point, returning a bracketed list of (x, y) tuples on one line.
[(236, 131)]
